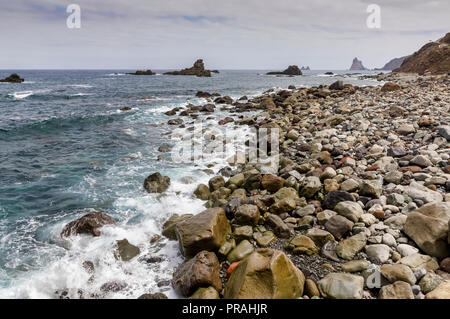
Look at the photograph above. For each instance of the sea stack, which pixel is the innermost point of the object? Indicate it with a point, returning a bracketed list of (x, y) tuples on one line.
[(198, 69), (140, 72), (433, 57), (291, 70), (357, 65), (13, 78)]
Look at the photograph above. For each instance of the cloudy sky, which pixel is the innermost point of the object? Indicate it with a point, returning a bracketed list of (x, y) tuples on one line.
[(227, 34)]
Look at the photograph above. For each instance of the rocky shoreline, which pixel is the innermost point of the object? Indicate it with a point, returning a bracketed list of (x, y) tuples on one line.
[(360, 206)]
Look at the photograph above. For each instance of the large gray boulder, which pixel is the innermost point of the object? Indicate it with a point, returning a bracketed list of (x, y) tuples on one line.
[(428, 227), (341, 286), (206, 231), (265, 274)]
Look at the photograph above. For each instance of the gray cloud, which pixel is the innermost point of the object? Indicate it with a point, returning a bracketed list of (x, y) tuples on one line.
[(227, 34)]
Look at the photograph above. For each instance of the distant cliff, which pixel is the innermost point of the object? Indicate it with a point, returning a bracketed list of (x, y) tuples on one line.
[(393, 64), (433, 57)]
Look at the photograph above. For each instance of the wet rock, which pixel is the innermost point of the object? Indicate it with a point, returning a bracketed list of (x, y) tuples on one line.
[(158, 295), (200, 271), (265, 274), (216, 182), (113, 286), (88, 224), (156, 183), (202, 192), (126, 251)]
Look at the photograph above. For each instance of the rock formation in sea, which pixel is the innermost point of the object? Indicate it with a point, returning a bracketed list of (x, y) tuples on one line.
[(393, 64), (291, 70), (198, 69), (357, 65), (140, 72), (433, 57), (13, 78)]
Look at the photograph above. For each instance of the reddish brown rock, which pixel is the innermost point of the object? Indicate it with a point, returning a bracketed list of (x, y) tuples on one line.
[(445, 264), (200, 271), (412, 169), (338, 226), (272, 182), (88, 224)]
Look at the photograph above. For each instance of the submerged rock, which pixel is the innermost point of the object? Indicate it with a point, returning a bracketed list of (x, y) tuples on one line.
[(140, 72)]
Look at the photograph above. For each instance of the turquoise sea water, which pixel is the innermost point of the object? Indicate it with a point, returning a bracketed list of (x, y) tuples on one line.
[(66, 149)]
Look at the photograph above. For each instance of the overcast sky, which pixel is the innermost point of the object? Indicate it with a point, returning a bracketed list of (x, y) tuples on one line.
[(227, 34)]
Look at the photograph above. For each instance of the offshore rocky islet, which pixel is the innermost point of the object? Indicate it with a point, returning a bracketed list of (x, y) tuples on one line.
[(363, 185)]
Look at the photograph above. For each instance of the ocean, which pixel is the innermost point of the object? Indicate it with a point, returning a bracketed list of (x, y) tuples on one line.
[(66, 149)]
